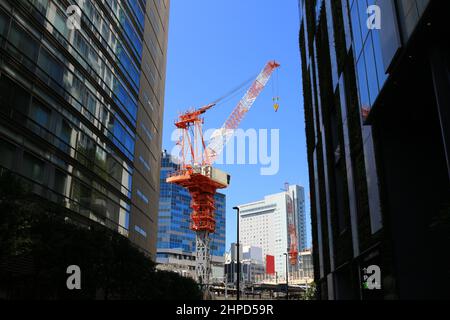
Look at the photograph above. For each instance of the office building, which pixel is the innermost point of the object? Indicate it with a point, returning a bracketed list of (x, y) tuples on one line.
[(251, 262), (264, 224), (81, 107), (306, 266), (176, 241), (252, 253), (376, 99)]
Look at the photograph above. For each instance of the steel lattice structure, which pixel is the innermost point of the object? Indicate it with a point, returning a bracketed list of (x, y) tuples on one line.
[(197, 174)]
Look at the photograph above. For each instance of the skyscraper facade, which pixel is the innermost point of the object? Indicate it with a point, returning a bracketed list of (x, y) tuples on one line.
[(81, 106), (376, 99), (176, 241), (264, 224)]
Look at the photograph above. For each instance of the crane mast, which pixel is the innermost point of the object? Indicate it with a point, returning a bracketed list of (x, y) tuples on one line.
[(197, 175), (292, 227)]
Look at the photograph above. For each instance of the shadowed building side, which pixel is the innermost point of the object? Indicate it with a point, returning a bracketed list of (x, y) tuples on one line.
[(81, 107), (376, 104)]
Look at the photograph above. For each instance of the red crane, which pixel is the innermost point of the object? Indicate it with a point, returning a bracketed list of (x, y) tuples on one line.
[(292, 227), (196, 173)]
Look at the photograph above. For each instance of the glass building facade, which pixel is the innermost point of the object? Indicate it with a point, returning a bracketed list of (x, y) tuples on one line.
[(174, 234), (376, 99), (81, 103)]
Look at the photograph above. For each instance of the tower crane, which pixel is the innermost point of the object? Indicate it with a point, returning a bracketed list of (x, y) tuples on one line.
[(292, 229), (197, 174)]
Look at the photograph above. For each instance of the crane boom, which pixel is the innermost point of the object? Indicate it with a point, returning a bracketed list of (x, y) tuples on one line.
[(220, 137)]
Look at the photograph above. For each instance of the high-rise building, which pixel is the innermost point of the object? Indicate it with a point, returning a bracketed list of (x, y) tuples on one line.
[(264, 224), (176, 241), (377, 99), (81, 106)]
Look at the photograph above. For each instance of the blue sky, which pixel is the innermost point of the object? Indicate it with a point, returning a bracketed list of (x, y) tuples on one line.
[(214, 46)]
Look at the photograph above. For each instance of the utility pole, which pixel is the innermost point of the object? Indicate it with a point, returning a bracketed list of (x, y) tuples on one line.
[(238, 264), (287, 276), (226, 287)]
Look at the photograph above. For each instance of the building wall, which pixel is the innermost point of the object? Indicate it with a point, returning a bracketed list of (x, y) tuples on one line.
[(357, 82), (183, 263), (74, 103), (298, 196), (306, 264), (150, 118), (251, 272), (264, 224), (252, 253)]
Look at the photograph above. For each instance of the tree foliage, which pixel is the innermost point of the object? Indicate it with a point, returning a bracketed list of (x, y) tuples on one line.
[(310, 293), (38, 242)]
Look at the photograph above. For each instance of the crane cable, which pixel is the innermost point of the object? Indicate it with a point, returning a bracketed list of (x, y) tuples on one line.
[(244, 86), (227, 97), (275, 93)]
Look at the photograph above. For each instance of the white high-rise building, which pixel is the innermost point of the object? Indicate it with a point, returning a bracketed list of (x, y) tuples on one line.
[(264, 224)]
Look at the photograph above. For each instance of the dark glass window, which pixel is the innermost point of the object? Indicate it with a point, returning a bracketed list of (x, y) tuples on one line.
[(23, 42), (65, 135), (362, 83), (13, 96), (60, 182), (138, 13), (356, 28), (33, 168), (40, 114), (3, 22), (371, 68), (81, 194), (379, 58), (363, 16), (129, 30), (41, 5), (126, 142), (7, 151), (51, 66)]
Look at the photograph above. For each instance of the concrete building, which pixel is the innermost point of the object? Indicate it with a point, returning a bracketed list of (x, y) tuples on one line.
[(232, 255), (176, 241), (306, 266), (377, 99), (252, 265), (252, 253), (82, 107), (264, 224)]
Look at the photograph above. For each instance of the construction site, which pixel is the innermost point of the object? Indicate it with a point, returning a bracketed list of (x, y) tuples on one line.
[(198, 175)]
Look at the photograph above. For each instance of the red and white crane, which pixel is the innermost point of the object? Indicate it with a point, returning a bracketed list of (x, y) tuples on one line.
[(196, 173), (292, 227)]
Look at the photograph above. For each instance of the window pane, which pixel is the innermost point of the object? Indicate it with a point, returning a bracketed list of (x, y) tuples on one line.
[(6, 154), (372, 78), (33, 168), (40, 114), (60, 182), (51, 66), (23, 42), (357, 40), (362, 83), (3, 22), (13, 96), (60, 24), (41, 5)]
